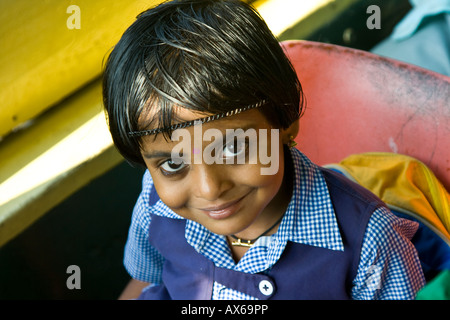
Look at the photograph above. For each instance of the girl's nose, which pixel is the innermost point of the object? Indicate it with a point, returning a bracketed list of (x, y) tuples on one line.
[(210, 181)]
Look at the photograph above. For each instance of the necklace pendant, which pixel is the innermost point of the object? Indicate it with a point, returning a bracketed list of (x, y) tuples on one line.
[(239, 243)]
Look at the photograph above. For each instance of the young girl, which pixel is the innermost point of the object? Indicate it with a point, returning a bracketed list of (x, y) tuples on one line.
[(192, 86)]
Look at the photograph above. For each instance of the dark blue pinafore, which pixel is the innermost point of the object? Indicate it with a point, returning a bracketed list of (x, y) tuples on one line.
[(302, 272)]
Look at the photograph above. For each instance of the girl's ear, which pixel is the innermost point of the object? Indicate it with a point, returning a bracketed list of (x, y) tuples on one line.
[(289, 134)]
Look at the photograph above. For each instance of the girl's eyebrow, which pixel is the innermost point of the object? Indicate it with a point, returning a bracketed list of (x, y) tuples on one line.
[(157, 154)]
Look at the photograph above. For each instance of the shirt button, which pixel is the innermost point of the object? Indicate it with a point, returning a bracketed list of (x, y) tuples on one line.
[(266, 287)]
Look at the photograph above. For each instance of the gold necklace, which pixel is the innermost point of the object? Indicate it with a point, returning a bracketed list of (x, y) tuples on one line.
[(248, 243)]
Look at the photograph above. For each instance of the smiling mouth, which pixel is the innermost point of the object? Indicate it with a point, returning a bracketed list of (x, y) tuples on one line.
[(224, 210)]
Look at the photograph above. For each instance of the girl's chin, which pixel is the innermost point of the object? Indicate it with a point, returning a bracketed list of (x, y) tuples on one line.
[(228, 228)]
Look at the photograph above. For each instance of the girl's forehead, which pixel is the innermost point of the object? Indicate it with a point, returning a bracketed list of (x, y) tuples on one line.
[(183, 114), (244, 119), (180, 115), (151, 118)]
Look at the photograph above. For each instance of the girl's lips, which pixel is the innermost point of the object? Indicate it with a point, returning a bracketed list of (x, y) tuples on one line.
[(224, 210)]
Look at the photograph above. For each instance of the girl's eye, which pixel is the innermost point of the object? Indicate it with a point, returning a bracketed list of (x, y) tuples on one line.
[(234, 148), (171, 166)]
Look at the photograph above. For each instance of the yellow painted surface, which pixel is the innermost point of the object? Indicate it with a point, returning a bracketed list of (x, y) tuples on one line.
[(57, 155), (42, 60), (43, 64)]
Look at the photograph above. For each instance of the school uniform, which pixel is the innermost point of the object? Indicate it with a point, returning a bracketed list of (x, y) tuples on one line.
[(336, 241)]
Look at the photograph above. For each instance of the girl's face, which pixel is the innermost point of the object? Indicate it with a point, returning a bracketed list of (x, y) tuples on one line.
[(225, 198)]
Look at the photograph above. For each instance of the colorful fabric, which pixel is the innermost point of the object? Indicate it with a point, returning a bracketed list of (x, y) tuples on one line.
[(404, 184), (437, 289)]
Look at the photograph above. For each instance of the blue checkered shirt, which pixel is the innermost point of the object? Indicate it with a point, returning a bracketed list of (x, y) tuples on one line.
[(389, 267)]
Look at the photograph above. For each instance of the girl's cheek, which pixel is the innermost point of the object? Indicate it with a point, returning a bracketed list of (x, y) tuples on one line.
[(250, 175), (172, 194)]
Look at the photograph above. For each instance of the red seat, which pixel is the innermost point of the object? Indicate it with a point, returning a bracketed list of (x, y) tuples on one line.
[(360, 102)]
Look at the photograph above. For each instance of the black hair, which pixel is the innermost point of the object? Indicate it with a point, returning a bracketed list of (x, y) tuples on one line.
[(210, 56)]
